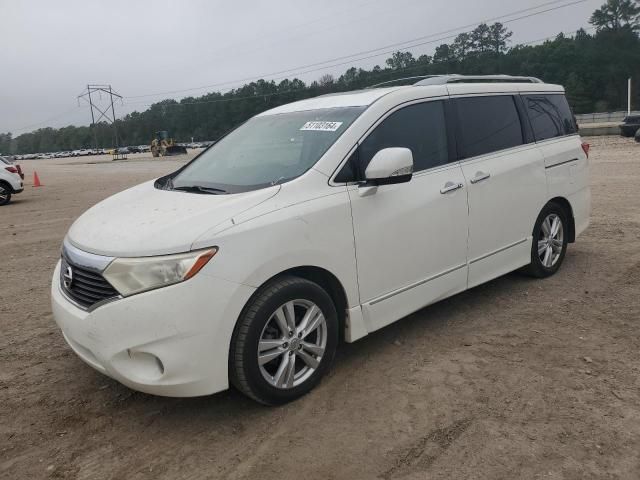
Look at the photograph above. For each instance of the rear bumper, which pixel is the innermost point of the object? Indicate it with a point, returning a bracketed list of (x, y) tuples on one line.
[(581, 205), (173, 341), (16, 184)]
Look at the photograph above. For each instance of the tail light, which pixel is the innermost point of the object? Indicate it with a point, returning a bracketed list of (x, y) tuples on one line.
[(11, 169), (585, 148)]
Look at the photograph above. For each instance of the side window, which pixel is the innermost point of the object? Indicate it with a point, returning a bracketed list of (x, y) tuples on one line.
[(349, 170), (421, 128), (487, 124), (550, 116)]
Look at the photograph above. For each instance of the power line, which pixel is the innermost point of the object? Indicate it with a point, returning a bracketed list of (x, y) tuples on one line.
[(292, 71), (333, 14), (55, 117), (272, 94), (308, 88), (416, 68), (370, 53), (447, 37)]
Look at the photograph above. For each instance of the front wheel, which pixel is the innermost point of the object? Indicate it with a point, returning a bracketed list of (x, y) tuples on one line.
[(284, 342), (5, 194), (549, 241)]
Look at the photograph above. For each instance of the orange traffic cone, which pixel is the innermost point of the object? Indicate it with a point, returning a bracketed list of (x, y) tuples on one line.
[(36, 180)]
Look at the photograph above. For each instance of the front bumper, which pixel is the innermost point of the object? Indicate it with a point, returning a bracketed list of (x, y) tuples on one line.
[(173, 341)]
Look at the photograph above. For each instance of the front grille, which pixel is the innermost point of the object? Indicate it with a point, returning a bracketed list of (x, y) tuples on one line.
[(86, 287)]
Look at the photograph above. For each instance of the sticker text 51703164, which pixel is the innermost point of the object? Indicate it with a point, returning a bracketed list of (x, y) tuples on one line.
[(321, 126)]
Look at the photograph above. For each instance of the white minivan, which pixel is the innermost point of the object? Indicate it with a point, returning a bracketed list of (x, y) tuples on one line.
[(320, 221)]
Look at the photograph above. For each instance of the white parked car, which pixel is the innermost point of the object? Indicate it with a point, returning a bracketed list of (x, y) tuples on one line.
[(317, 221), (81, 153), (10, 180)]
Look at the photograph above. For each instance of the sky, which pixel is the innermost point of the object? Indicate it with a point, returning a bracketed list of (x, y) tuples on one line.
[(51, 49)]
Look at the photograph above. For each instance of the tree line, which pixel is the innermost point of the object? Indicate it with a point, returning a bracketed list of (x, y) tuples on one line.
[(593, 67)]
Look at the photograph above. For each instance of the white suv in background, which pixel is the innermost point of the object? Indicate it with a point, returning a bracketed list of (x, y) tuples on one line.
[(320, 221), (10, 180)]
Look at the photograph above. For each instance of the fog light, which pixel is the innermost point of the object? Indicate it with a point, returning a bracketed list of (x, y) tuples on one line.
[(144, 365)]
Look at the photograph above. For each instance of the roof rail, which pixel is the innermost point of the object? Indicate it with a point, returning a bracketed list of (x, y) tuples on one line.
[(403, 80), (446, 79)]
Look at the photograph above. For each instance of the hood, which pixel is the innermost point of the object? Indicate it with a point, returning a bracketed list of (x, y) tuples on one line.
[(145, 221)]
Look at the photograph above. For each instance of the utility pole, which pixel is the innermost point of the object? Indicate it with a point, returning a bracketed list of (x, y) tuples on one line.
[(113, 113), (93, 128), (109, 116), (629, 98)]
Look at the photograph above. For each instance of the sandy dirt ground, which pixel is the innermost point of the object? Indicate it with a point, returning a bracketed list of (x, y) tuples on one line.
[(518, 378)]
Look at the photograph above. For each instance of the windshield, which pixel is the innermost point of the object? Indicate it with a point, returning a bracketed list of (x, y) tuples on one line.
[(5, 160), (266, 150)]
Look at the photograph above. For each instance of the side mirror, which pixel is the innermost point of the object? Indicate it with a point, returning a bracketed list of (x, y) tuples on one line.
[(388, 167)]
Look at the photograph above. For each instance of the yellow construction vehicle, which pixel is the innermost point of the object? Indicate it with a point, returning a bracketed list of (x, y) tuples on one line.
[(163, 145)]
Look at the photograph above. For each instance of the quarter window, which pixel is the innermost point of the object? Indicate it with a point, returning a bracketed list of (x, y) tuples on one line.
[(550, 116), (487, 124), (420, 128)]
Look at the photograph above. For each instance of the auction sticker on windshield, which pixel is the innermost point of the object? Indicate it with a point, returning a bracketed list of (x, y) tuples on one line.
[(321, 126)]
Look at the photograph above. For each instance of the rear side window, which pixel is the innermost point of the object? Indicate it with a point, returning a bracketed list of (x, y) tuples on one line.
[(421, 128), (550, 116), (487, 124)]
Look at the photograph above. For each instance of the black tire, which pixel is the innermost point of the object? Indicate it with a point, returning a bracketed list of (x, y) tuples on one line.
[(537, 268), (627, 133), (244, 369), (5, 193)]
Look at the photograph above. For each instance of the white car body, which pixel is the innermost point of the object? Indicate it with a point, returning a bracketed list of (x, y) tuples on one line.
[(391, 249), (9, 180)]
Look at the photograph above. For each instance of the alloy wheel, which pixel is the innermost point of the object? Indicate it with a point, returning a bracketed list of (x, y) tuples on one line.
[(551, 240), (292, 344)]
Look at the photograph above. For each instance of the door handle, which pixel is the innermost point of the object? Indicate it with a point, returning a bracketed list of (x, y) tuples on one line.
[(450, 187), (480, 176)]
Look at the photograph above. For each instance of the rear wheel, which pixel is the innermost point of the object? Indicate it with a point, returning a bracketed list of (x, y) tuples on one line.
[(284, 342), (5, 193), (550, 239), (627, 132)]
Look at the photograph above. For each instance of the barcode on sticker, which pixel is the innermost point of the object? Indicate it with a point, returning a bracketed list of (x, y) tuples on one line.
[(321, 126)]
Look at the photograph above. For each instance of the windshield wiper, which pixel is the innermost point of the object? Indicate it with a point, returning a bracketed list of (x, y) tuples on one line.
[(277, 182), (200, 189)]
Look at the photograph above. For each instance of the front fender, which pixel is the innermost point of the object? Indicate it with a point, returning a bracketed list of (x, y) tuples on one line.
[(316, 232)]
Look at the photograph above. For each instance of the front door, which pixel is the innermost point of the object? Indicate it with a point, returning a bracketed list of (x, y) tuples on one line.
[(411, 238)]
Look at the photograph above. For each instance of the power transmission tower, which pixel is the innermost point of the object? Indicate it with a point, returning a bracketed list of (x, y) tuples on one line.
[(95, 109)]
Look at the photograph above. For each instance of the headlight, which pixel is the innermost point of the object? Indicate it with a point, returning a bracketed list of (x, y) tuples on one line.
[(135, 275)]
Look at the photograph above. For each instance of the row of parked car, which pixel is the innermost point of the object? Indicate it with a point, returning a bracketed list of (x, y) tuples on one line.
[(83, 152), (101, 151)]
